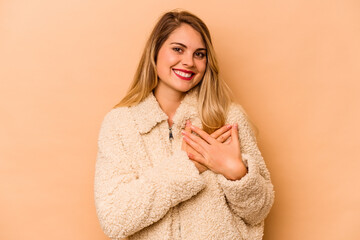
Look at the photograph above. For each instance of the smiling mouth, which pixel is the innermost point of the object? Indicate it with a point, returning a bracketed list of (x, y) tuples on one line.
[(188, 75)]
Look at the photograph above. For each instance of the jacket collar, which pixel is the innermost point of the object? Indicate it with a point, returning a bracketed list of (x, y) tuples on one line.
[(147, 114)]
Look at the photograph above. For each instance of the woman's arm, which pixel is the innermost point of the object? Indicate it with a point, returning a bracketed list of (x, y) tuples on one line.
[(252, 196), (126, 203)]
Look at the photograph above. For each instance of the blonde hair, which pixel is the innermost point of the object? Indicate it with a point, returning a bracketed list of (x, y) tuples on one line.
[(214, 96)]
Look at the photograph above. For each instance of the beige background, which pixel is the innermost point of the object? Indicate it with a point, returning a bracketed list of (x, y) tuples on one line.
[(293, 65)]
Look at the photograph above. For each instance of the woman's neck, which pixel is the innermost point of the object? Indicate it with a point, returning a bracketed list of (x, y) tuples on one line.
[(168, 100)]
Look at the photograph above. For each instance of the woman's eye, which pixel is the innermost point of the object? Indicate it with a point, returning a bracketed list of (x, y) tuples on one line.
[(200, 55), (176, 49)]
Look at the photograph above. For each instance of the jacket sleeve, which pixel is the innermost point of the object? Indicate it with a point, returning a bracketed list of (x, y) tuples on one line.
[(252, 196), (125, 202)]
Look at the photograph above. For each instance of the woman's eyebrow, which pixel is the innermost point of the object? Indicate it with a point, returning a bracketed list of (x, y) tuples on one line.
[(186, 46)]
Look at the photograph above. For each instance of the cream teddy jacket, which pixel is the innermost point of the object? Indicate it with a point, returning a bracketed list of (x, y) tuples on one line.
[(147, 188)]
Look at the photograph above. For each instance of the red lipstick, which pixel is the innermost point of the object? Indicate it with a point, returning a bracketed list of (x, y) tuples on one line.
[(187, 78), (185, 71)]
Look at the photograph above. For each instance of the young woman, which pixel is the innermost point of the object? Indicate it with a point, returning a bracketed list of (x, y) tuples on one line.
[(176, 158)]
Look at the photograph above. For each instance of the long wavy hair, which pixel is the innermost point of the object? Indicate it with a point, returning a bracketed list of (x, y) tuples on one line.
[(214, 96)]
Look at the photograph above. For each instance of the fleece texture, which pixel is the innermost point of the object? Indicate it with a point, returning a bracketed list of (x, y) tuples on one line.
[(146, 187)]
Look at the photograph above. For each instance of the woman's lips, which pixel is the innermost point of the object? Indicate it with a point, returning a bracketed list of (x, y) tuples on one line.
[(183, 74)]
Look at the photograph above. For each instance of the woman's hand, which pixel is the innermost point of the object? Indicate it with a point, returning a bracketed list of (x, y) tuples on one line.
[(222, 135), (223, 158)]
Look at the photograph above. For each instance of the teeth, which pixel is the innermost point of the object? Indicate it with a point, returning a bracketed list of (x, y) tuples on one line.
[(187, 75)]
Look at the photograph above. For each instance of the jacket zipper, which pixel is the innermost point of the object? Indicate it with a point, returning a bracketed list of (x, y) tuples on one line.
[(171, 137), (170, 134)]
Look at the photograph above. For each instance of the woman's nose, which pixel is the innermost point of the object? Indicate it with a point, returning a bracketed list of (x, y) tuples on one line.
[(188, 60)]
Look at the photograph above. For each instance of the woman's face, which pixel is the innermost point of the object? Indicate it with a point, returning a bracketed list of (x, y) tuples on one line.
[(181, 61)]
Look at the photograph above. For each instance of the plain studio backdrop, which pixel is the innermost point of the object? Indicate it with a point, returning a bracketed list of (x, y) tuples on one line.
[(293, 65)]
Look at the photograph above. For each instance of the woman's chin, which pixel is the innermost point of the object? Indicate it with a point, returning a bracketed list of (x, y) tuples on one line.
[(185, 87), (184, 90)]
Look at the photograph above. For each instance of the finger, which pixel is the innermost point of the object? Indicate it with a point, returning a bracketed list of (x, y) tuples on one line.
[(184, 146), (196, 139), (224, 137), (187, 129), (228, 141), (199, 159), (193, 144), (235, 134), (204, 135), (220, 131), (187, 126)]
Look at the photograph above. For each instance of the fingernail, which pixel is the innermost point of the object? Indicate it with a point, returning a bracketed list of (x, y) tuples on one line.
[(229, 126), (183, 132), (235, 125)]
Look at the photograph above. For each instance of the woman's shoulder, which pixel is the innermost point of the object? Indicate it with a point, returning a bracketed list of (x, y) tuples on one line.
[(236, 112), (116, 113), (116, 117)]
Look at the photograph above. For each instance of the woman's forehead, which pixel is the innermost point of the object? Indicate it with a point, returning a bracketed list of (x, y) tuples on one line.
[(187, 36)]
